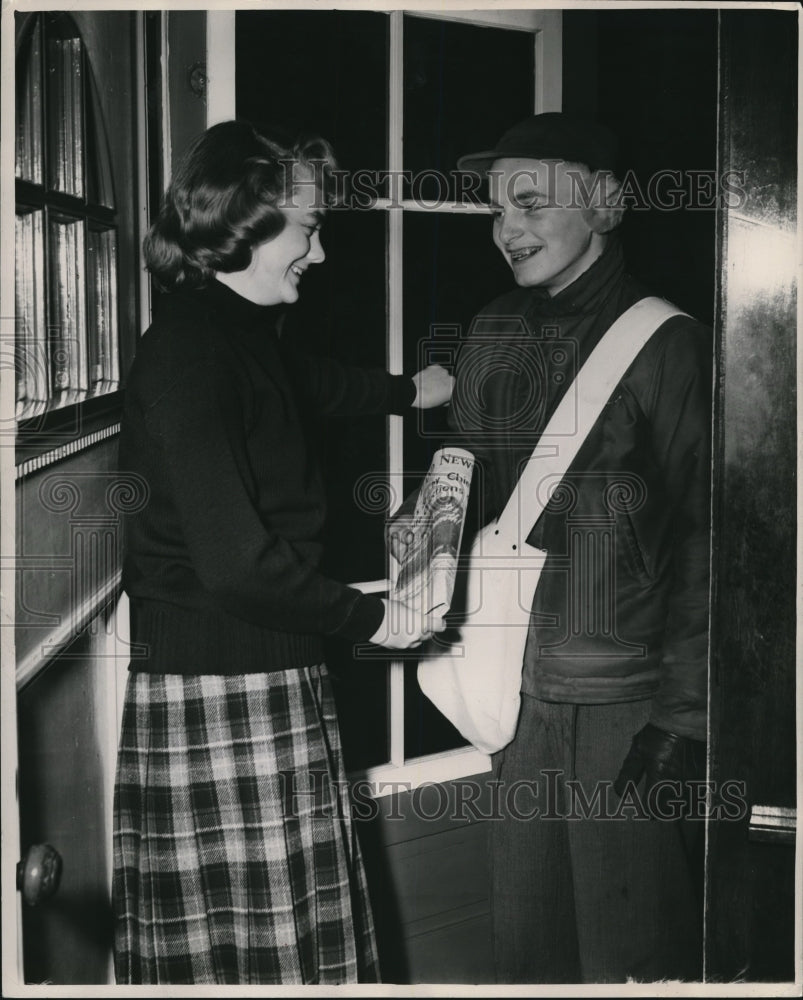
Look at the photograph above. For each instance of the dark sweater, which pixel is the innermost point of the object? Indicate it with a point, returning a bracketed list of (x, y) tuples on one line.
[(221, 565)]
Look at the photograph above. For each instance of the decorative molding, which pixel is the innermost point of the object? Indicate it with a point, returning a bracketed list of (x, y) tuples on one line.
[(63, 451)]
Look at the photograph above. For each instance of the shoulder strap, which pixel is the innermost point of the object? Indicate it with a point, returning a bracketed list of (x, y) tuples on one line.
[(578, 411)]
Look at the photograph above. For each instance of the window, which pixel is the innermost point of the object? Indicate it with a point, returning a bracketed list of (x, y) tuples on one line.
[(400, 96), (76, 235)]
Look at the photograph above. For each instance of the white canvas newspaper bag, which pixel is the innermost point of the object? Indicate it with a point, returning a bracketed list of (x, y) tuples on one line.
[(476, 681)]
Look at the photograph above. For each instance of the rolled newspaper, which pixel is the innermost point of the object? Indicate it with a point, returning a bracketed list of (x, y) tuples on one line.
[(427, 574)]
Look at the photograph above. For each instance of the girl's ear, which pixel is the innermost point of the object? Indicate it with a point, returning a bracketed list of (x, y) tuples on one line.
[(605, 210)]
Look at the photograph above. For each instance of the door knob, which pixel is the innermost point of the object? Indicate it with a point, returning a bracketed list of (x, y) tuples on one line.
[(39, 873)]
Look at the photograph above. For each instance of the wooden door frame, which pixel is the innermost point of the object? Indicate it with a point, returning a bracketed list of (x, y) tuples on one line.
[(754, 568)]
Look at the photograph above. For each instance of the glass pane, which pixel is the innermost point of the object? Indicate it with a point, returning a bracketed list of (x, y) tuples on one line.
[(103, 346), (33, 381), (425, 729), (67, 319), (324, 72), (29, 106), (361, 695), (65, 114), (99, 184), (451, 270), (463, 86), (341, 314)]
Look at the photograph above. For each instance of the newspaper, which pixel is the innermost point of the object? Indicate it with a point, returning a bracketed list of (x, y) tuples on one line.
[(427, 574)]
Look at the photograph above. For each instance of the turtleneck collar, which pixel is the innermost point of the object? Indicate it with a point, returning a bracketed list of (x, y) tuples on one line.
[(237, 310), (586, 293)]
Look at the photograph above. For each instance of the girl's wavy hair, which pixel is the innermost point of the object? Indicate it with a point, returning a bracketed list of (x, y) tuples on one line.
[(226, 198)]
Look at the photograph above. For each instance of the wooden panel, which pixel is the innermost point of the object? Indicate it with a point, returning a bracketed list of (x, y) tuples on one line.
[(771, 916), (60, 510), (187, 50), (427, 866), (459, 952), (67, 730), (753, 614), (440, 873)]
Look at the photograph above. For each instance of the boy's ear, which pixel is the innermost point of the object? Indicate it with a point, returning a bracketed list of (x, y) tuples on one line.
[(605, 211)]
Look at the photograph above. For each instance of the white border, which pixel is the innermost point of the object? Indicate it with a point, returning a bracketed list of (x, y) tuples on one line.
[(11, 902), (10, 943)]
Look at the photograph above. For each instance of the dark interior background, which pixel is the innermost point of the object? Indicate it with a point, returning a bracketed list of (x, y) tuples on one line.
[(651, 75)]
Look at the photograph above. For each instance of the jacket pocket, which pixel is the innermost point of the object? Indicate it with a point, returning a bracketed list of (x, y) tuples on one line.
[(629, 543)]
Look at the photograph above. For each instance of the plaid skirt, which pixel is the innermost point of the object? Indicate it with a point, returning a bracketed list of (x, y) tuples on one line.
[(235, 859)]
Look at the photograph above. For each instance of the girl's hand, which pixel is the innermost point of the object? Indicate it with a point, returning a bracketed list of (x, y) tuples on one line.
[(434, 387), (405, 628)]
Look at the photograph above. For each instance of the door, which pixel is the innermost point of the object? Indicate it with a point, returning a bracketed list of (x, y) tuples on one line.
[(751, 851)]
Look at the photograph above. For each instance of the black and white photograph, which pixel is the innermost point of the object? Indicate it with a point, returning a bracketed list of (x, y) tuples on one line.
[(399, 547)]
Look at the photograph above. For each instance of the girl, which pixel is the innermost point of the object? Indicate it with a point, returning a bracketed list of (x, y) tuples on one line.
[(235, 857)]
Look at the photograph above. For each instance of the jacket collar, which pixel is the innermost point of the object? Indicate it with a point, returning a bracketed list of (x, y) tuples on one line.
[(586, 293)]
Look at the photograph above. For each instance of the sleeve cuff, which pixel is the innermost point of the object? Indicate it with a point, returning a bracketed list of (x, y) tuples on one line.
[(692, 723), (402, 394), (364, 619)]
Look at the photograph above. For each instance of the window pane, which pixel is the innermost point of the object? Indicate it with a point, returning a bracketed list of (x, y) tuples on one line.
[(341, 313), (103, 347), (463, 86), (451, 270), (99, 185), (29, 106), (65, 115), (67, 318), (425, 729), (324, 72), (86, 179), (33, 381)]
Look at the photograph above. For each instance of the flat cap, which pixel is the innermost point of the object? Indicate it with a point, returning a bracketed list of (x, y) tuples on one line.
[(553, 135)]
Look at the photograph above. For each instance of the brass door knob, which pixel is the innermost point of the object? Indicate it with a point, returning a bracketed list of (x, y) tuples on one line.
[(39, 873)]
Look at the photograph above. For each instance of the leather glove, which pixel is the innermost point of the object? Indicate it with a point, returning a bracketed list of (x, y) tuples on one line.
[(661, 756)]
